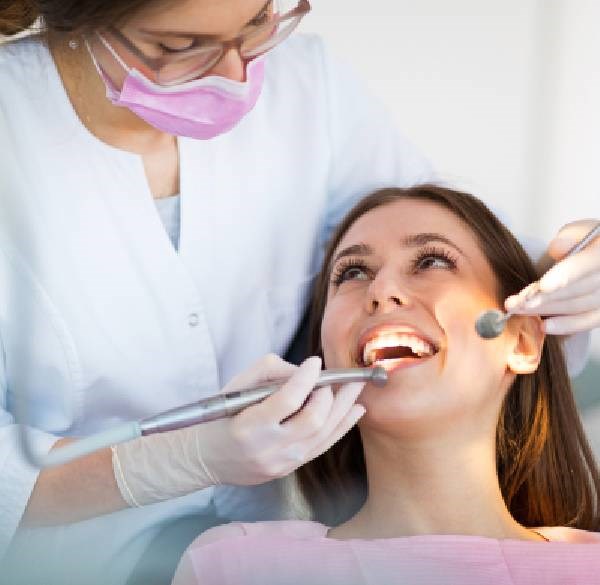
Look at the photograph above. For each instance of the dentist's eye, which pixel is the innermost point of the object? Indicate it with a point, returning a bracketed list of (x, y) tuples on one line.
[(433, 258), (174, 50), (264, 16), (351, 270)]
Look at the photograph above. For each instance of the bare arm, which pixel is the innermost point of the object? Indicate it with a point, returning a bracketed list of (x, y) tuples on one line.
[(79, 490)]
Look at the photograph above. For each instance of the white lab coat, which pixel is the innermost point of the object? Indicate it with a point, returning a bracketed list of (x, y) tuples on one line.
[(102, 321)]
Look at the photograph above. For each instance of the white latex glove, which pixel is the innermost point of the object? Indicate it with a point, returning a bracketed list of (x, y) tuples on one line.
[(265, 441), (569, 293)]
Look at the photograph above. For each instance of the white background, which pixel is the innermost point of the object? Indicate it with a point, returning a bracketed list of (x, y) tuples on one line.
[(503, 96)]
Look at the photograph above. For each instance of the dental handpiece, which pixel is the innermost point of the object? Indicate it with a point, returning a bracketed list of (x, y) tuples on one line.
[(491, 324), (231, 403)]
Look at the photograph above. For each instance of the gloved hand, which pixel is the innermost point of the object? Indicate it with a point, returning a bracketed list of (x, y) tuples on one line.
[(265, 441), (569, 293)]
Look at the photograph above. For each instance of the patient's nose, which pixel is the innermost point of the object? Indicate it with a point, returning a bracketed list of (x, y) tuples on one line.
[(385, 295)]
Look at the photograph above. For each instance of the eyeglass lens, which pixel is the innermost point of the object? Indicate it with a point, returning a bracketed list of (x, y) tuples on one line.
[(254, 43)]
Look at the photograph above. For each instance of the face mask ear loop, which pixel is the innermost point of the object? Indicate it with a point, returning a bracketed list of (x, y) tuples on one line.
[(111, 51), (93, 57)]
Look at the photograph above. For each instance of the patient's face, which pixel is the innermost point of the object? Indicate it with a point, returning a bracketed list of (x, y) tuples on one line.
[(407, 286)]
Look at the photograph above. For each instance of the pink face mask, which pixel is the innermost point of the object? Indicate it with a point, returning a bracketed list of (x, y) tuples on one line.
[(202, 108)]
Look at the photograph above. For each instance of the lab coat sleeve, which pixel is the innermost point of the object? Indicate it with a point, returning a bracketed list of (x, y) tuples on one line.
[(577, 349), (17, 476), (251, 503), (367, 149)]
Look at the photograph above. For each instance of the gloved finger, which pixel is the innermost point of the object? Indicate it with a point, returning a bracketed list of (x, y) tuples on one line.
[(567, 325), (285, 443), (312, 416), (580, 288), (572, 306), (578, 270), (516, 301), (568, 236), (291, 396), (352, 417), (268, 368), (571, 269), (343, 401)]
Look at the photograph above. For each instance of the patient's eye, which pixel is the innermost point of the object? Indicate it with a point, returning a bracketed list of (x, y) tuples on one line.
[(435, 258), (350, 270)]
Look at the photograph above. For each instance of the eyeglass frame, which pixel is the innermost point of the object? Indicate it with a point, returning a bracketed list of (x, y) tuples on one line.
[(155, 64)]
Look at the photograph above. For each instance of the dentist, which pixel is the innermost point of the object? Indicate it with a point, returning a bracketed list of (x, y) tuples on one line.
[(169, 172)]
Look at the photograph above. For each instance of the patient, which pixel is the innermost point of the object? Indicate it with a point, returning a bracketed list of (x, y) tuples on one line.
[(470, 466)]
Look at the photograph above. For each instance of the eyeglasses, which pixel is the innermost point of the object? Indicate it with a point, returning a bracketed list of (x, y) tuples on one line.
[(195, 62)]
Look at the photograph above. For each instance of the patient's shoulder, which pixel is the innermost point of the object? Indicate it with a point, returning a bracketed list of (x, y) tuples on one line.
[(279, 528), (208, 559), (290, 528), (571, 535), (199, 564), (223, 532)]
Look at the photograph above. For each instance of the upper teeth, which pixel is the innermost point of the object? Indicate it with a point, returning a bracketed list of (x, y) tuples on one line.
[(417, 345)]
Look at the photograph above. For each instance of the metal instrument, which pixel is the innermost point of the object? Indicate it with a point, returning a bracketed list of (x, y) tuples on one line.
[(230, 404)]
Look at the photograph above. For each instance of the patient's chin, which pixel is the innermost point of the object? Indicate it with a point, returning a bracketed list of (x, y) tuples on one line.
[(392, 407), (419, 411)]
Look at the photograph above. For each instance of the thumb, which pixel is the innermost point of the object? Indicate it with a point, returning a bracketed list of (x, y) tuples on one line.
[(568, 236)]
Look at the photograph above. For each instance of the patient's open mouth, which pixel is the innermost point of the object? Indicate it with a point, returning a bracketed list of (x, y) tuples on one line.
[(392, 348)]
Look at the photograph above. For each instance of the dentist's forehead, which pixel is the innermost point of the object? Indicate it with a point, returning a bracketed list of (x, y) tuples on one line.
[(202, 17)]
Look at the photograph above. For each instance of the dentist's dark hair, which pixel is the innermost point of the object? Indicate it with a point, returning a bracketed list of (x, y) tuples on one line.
[(66, 16), (546, 469)]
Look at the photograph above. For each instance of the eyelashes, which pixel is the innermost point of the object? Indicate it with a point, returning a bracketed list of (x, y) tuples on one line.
[(435, 253), (175, 50), (428, 258), (264, 16), (345, 267)]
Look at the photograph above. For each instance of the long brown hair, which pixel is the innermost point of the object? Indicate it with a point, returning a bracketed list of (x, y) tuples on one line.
[(546, 469), (66, 16)]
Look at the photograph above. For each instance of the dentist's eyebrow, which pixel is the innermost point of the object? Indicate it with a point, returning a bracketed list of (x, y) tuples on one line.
[(417, 240), (195, 35)]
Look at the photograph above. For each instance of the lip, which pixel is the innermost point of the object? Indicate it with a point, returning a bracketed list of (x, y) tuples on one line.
[(400, 327)]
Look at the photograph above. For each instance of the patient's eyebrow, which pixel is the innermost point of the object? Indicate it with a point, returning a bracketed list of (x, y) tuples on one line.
[(354, 250), (410, 241), (417, 240)]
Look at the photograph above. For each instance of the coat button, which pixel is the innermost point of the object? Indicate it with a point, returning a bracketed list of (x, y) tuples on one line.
[(193, 319)]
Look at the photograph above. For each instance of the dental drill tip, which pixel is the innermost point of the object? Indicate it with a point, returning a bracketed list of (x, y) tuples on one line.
[(490, 324), (379, 376)]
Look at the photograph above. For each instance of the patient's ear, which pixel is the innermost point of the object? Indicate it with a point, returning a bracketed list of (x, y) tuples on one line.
[(527, 344)]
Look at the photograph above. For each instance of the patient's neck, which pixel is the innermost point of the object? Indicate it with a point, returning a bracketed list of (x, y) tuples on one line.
[(437, 485)]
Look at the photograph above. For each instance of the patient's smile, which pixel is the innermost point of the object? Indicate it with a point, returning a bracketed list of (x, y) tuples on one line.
[(394, 346)]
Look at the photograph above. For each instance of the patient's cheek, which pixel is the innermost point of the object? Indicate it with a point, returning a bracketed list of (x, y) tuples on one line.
[(457, 312), (471, 362)]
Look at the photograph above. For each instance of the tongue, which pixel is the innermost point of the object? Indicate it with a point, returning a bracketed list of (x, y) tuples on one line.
[(393, 353)]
